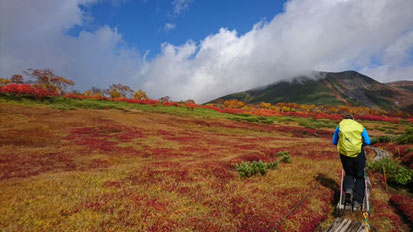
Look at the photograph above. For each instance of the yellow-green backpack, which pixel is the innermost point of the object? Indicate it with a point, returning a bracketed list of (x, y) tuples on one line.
[(349, 143)]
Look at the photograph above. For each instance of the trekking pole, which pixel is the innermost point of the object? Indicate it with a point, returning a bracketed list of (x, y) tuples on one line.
[(341, 189), (398, 151), (366, 192), (366, 221), (385, 180)]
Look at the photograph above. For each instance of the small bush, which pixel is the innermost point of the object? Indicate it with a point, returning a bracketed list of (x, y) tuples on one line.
[(286, 159), (382, 139), (407, 137), (272, 165), (395, 172), (281, 153), (248, 169)]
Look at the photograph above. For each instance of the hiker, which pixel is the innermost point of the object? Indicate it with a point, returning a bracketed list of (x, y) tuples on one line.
[(350, 137)]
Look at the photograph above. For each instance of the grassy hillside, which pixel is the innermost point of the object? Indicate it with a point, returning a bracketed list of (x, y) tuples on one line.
[(305, 91), (298, 91), (89, 165)]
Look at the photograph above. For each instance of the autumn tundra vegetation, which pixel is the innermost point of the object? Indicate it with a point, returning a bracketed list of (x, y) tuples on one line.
[(115, 160)]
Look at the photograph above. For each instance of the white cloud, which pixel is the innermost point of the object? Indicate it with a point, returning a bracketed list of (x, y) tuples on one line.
[(371, 36), (396, 61), (324, 35), (33, 35), (180, 6), (169, 27)]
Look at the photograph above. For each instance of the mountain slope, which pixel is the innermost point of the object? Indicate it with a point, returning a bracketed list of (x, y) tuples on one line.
[(404, 85), (326, 88)]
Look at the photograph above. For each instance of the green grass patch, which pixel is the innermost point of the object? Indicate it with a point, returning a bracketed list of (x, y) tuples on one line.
[(252, 118), (316, 123), (307, 122), (396, 173), (62, 103)]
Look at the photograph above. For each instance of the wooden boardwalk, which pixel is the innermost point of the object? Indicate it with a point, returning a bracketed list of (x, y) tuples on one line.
[(346, 225), (343, 224)]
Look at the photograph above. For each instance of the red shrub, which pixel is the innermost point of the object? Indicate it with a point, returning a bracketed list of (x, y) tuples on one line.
[(75, 96), (98, 137), (221, 170), (378, 118), (138, 101), (404, 204), (170, 104), (190, 106), (231, 111), (32, 164), (27, 90)]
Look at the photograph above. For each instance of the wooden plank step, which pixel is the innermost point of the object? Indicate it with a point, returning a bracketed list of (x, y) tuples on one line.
[(346, 225)]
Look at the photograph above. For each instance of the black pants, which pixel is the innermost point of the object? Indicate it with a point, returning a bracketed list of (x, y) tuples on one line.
[(354, 179)]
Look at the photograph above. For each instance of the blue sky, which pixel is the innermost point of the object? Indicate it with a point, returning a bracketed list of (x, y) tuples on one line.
[(204, 49), (143, 23)]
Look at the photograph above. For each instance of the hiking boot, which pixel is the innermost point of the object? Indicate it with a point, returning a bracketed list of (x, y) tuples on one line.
[(349, 197), (356, 205)]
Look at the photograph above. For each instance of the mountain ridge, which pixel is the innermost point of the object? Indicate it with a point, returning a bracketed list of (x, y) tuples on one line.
[(332, 88)]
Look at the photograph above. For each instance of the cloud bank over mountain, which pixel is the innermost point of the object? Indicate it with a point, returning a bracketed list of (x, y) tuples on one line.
[(374, 37)]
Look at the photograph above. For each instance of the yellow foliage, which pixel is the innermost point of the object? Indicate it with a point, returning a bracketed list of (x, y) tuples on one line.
[(140, 94), (4, 81), (247, 107), (276, 108), (285, 109), (114, 93), (233, 103), (87, 93), (265, 105)]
